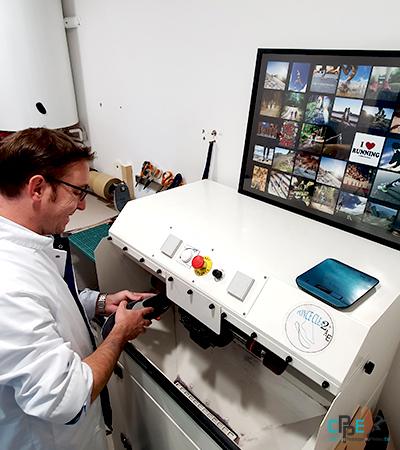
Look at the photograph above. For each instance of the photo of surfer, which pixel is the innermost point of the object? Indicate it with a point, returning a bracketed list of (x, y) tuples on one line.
[(318, 109), (301, 189), (384, 84), (271, 103), (312, 138), (390, 159), (353, 81), (324, 199), (276, 75), (358, 179), (325, 78), (299, 77), (374, 118)]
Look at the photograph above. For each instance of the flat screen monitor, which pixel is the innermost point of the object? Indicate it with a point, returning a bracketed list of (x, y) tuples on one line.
[(323, 138)]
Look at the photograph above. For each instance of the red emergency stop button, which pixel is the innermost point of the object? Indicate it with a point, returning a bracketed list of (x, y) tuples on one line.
[(198, 262)]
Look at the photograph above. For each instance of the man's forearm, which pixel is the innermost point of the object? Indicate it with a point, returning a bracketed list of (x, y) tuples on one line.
[(102, 361)]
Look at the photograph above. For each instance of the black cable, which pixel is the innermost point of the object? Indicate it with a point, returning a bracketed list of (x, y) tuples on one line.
[(208, 162)]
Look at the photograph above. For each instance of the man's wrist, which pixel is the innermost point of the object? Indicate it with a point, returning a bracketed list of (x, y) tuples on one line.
[(101, 304)]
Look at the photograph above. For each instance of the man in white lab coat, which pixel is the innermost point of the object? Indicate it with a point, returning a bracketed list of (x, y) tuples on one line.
[(50, 377)]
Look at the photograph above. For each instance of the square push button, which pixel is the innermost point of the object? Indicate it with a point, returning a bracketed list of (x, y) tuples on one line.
[(171, 245), (240, 285)]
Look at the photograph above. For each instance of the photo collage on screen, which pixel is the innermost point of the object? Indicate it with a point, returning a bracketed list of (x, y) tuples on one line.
[(326, 138)]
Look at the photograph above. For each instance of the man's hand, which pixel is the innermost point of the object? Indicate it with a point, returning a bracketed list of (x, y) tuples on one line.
[(113, 300), (130, 322)]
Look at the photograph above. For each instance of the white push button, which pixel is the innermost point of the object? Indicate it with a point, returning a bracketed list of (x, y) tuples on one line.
[(187, 255), (240, 285), (171, 245)]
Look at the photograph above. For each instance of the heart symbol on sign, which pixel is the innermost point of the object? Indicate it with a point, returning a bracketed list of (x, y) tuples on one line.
[(370, 145)]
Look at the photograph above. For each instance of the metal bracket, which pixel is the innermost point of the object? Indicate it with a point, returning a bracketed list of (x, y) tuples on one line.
[(72, 22)]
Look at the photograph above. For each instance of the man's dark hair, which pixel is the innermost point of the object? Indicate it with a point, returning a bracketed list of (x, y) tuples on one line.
[(37, 151)]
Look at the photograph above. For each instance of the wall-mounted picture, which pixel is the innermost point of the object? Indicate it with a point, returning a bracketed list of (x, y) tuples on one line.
[(353, 80), (299, 77), (283, 160), (390, 159), (279, 184), (259, 178), (358, 179), (386, 187), (325, 78), (292, 108), (324, 199), (288, 135), (367, 149), (384, 84), (271, 103), (350, 206), (312, 138), (259, 152), (263, 154), (325, 127), (395, 125), (269, 129), (276, 75), (379, 215), (346, 111), (318, 109), (338, 141), (374, 118), (306, 165), (301, 189), (331, 172)]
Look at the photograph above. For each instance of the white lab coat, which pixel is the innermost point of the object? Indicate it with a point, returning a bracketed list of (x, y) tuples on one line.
[(43, 382)]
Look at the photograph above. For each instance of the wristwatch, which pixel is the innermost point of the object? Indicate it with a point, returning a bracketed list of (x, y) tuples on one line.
[(101, 304)]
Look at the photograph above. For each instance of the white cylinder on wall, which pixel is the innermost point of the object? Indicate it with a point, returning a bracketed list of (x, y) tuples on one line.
[(36, 86)]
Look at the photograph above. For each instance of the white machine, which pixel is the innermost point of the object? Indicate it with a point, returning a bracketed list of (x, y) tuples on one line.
[(244, 359)]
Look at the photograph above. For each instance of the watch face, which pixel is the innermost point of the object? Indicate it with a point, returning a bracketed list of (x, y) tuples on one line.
[(101, 303)]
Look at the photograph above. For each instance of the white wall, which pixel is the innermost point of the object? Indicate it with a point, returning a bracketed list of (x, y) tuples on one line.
[(150, 75), (165, 69)]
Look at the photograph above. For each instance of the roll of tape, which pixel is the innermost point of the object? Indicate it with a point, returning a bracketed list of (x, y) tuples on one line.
[(102, 184)]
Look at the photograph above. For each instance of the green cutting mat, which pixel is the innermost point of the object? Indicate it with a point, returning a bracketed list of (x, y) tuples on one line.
[(87, 240)]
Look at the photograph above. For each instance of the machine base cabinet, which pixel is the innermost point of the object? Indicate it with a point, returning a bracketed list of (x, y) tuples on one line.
[(200, 377)]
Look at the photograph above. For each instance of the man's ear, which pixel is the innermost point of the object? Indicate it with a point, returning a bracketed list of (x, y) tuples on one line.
[(36, 187)]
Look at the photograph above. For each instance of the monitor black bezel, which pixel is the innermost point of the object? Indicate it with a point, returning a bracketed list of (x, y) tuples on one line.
[(387, 56)]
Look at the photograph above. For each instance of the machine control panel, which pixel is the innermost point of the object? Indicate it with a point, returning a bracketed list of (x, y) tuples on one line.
[(228, 281)]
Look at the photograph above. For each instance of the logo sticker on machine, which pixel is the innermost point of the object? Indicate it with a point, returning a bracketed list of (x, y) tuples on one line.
[(309, 328)]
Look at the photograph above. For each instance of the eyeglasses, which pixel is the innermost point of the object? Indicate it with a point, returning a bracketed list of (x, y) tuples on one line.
[(84, 191)]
